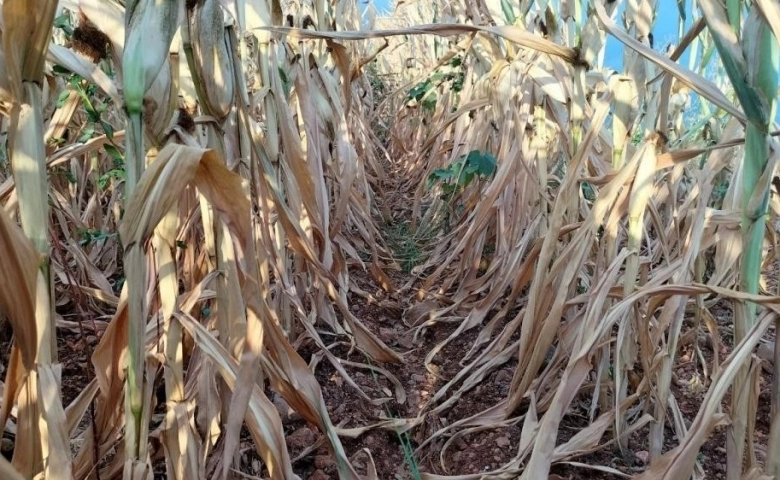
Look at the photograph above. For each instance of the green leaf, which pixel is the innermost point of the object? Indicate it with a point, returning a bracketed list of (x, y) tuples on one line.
[(509, 14), (448, 189), (63, 22), (467, 179), (430, 102), (90, 235), (442, 174), (120, 282), (588, 192), (419, 90), (482, 163), (438, 175), (65, 172), (487, 164), (87, 133), (108, 128), (62, 98), (119, 159), (456, 168), (457, 85), (115, 173), (75, 82), (92, 115), (60, 70), (472, 162)]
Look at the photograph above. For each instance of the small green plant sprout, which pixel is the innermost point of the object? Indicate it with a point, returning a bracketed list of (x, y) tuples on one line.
[(88, 236), (460, 174), (423, 93)]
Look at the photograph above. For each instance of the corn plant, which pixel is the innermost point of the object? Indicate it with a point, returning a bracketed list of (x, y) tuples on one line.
[(749, 51), (41, 433)]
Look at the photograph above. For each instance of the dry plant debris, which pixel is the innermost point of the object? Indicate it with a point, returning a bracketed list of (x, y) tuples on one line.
[(301, 240)]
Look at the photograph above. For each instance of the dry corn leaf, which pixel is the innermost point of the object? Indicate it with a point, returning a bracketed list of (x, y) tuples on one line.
[(15, 377), (262, 416), (162, 183), (691, 79), (290, 376), (182, 443), (577, 369), (26, 31), (75, 411), (54, 431), (62, 117), (109, 360), (158, 189), (598, 468), (19, 262), (8, 471), (511, 33)]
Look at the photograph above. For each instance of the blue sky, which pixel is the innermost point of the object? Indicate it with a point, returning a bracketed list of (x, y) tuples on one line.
[(381, 5), (664, 30)]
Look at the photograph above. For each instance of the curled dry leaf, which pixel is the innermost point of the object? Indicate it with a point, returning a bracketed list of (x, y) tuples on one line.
[(19, 263), (513, 34), (8, 471), (262, 416), (56, 449), (691, 79)]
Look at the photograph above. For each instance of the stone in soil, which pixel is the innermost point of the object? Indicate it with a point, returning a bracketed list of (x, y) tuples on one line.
[(406, 341), (387, 335), (319, 475), (766, 352), (324, 462), (7, 446), (504, 376), (301, 438)]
